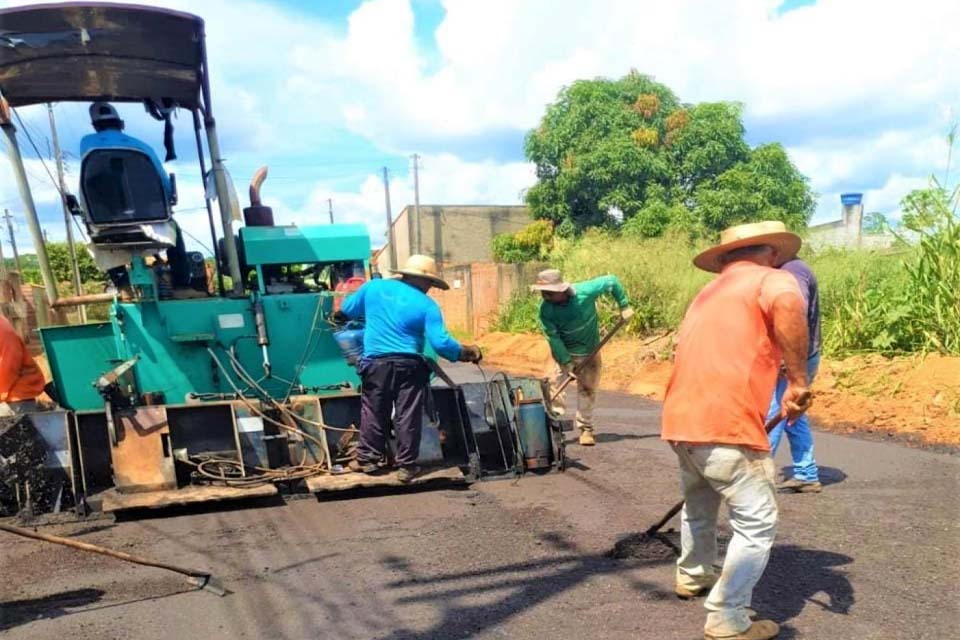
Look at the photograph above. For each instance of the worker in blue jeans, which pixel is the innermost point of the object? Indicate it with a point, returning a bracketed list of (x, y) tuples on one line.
[(806, 475)]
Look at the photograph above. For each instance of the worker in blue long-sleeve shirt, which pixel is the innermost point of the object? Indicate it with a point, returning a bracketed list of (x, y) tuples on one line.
[(400, 320)]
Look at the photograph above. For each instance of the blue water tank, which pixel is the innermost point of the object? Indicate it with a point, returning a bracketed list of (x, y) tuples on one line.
[(850, 199)]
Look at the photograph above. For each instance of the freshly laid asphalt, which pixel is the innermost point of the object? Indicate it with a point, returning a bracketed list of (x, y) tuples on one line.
[(875, 556)]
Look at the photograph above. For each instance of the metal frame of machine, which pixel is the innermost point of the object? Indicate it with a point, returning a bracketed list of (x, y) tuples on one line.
[(184, 400)]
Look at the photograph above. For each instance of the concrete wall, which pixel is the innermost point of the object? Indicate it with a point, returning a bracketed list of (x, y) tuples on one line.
[(478, 291), (847, 233), (454, 234)]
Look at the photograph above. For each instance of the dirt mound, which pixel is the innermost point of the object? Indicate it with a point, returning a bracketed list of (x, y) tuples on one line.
[(916, 396), (517, 352)]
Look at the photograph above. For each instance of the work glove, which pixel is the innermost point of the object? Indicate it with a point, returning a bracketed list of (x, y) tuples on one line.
[(339, 317), (471, 353), (626, 313)]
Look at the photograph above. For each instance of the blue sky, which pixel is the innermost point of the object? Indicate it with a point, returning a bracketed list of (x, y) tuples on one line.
[(326, 93)]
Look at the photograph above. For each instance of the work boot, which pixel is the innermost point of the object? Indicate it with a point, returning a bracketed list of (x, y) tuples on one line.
[(361, 466), (587, 439), (793, 485), (407, 473), (759, 630), (688, 592)]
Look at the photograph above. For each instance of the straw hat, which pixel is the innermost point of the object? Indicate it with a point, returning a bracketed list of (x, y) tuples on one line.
[(550, 280), (419, 266), (769, 232)]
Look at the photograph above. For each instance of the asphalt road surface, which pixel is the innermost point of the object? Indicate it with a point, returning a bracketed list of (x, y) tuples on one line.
[(876, 556)]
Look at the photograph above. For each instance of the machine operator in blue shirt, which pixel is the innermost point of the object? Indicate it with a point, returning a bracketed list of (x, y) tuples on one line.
[(400, 319)]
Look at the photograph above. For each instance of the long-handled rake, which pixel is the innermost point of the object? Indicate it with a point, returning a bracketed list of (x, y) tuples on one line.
[(200, 579), (630, 545)]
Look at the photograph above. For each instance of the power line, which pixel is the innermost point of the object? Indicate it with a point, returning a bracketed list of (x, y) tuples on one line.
[(196, 239), (47, 169), (373, 160), (26, 132)]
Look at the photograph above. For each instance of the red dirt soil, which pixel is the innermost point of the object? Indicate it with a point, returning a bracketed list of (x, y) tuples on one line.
[(916, 396)]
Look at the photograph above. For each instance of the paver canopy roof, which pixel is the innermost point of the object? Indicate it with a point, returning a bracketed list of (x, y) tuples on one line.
[(87, 51)]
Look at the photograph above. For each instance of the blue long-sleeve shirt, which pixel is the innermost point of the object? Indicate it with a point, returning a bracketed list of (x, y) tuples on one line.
[(399, 319)]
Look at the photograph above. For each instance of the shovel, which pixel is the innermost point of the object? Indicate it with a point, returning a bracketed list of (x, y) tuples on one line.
[(199, 579), (675, 509), (593, 354)]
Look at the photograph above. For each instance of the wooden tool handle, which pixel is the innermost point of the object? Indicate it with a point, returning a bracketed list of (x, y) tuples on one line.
[(777, 419), (86, 546)]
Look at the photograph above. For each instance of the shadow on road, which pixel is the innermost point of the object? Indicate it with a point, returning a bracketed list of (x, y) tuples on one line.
[(828, 475), (523, 585), (174, 511), (796, 577), (19, 612)]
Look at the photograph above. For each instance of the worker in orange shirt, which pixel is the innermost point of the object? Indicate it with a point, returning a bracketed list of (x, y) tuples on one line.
[(729, 347), (21, 380)]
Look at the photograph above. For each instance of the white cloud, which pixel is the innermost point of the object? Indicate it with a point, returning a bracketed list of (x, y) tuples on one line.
[(886, 199), (41, 186), (444, 179), (864, 84), (501, 60), (861, 89), (843, 162)]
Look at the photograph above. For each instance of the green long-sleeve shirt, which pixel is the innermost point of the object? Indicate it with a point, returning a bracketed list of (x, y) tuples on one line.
[(573, 328)]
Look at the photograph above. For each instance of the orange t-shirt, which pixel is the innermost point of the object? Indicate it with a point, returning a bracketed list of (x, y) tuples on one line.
[(20, 377), (727, 360)]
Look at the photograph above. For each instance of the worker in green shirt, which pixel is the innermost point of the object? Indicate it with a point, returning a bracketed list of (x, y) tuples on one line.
[(568, 317)]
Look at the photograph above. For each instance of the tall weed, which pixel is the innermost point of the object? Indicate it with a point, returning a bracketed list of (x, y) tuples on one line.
[(860, 300), (901, 300), (656, 272)]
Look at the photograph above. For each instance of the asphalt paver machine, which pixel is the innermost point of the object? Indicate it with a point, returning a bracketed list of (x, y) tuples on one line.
[(192, 392)]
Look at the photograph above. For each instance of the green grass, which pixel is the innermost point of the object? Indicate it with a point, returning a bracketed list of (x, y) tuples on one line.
[(519, 314), (869, 299)]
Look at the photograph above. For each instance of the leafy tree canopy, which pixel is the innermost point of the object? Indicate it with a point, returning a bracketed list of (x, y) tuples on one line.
[(59, 255), (631, 145)]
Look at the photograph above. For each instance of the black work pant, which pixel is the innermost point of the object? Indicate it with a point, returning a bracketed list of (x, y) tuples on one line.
[(397, 386)]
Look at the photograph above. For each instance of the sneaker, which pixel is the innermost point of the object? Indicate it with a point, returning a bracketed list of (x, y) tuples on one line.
[(793, 485), (759, 630), (359, 466), (688, 592), (587, 439), (407, 473)]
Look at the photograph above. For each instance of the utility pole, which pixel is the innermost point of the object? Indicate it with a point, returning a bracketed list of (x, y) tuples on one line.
[(46, 236), (330, 208), (3, 264), (391, 243), (416, 202), (13, 240), (71, 248)]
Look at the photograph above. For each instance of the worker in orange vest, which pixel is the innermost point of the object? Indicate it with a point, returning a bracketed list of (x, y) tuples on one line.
[(21, 380)]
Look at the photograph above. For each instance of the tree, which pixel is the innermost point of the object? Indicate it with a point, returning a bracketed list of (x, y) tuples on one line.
[(765, 187), (533, 242), (59, 256), (631, 145), (875, 223)]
